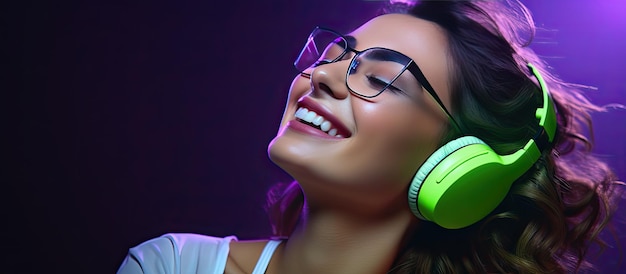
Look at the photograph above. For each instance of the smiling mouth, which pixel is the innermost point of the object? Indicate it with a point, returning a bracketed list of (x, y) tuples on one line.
[(317, 121)]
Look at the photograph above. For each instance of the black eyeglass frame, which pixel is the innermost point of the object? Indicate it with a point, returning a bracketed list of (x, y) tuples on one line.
[(411, 66)]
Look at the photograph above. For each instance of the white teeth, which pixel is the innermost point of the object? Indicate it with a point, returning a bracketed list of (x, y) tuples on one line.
[(318, 120), (312, 117), (301, 113), (325, 126), (309, 116)]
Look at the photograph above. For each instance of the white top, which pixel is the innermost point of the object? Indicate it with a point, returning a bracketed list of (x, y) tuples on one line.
[(187, 254)]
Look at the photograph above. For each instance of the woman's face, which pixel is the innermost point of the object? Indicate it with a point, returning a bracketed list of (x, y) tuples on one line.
[(383, 140)]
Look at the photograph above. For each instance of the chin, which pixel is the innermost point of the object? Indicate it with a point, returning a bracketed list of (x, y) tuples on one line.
[(295, 156), (282, 154)]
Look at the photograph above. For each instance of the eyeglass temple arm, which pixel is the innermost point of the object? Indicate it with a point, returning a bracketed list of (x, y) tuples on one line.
[(413, 68)]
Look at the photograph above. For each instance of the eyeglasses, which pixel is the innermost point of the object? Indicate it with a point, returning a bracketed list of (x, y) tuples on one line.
[(370, 72)]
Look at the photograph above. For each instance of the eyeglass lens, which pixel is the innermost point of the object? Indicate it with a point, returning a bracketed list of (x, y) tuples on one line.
[(370, 71), (322, 46)]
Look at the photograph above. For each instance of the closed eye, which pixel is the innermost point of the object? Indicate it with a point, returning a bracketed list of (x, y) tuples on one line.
[(380, 84), (321, 62), (326, 61)]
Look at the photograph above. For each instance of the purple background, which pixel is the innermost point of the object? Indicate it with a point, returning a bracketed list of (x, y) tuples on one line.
[(130, 120)]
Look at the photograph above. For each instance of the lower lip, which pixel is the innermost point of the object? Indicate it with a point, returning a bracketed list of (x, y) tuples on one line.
[(309, 130)]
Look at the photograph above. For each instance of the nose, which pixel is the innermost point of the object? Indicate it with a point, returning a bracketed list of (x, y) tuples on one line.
[(330, 79)]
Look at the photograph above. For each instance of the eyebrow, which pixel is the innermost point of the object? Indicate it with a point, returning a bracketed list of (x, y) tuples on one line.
[(383, 55), (379, 55)]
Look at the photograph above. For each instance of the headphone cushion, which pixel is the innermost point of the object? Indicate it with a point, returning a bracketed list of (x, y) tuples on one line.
[(431, 163)]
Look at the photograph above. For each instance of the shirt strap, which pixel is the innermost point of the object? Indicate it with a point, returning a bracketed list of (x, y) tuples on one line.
[(266, 256)]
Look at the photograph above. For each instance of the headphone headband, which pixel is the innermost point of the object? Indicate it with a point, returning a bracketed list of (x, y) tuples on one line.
[(545, 114)]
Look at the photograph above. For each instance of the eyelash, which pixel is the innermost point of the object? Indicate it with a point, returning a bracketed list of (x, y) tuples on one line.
[(391, 88), (321, 62), (345, 56)]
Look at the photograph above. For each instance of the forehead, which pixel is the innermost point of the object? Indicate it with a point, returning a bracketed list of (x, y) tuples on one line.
[(405, 33), (423, 41)]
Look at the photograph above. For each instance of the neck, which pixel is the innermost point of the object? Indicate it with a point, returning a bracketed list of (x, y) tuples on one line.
[(337, 242)]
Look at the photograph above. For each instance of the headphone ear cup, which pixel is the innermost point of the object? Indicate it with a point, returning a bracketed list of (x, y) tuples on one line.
[(430, 164)]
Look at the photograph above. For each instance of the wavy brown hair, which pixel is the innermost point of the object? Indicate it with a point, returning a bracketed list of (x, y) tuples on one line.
[(557, 209)]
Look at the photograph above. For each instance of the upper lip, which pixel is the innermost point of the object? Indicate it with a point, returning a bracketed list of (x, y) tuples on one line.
[(308, 103)]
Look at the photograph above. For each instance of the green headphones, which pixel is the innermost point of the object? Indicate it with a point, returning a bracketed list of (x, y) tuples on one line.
[(465, 180)]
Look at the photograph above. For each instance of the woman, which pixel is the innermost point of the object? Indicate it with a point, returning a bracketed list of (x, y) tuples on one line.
[(386, 112)]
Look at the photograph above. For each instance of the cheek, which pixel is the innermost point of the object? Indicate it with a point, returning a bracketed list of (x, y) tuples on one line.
[(299, 87), (401, 136), (399, 121)]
